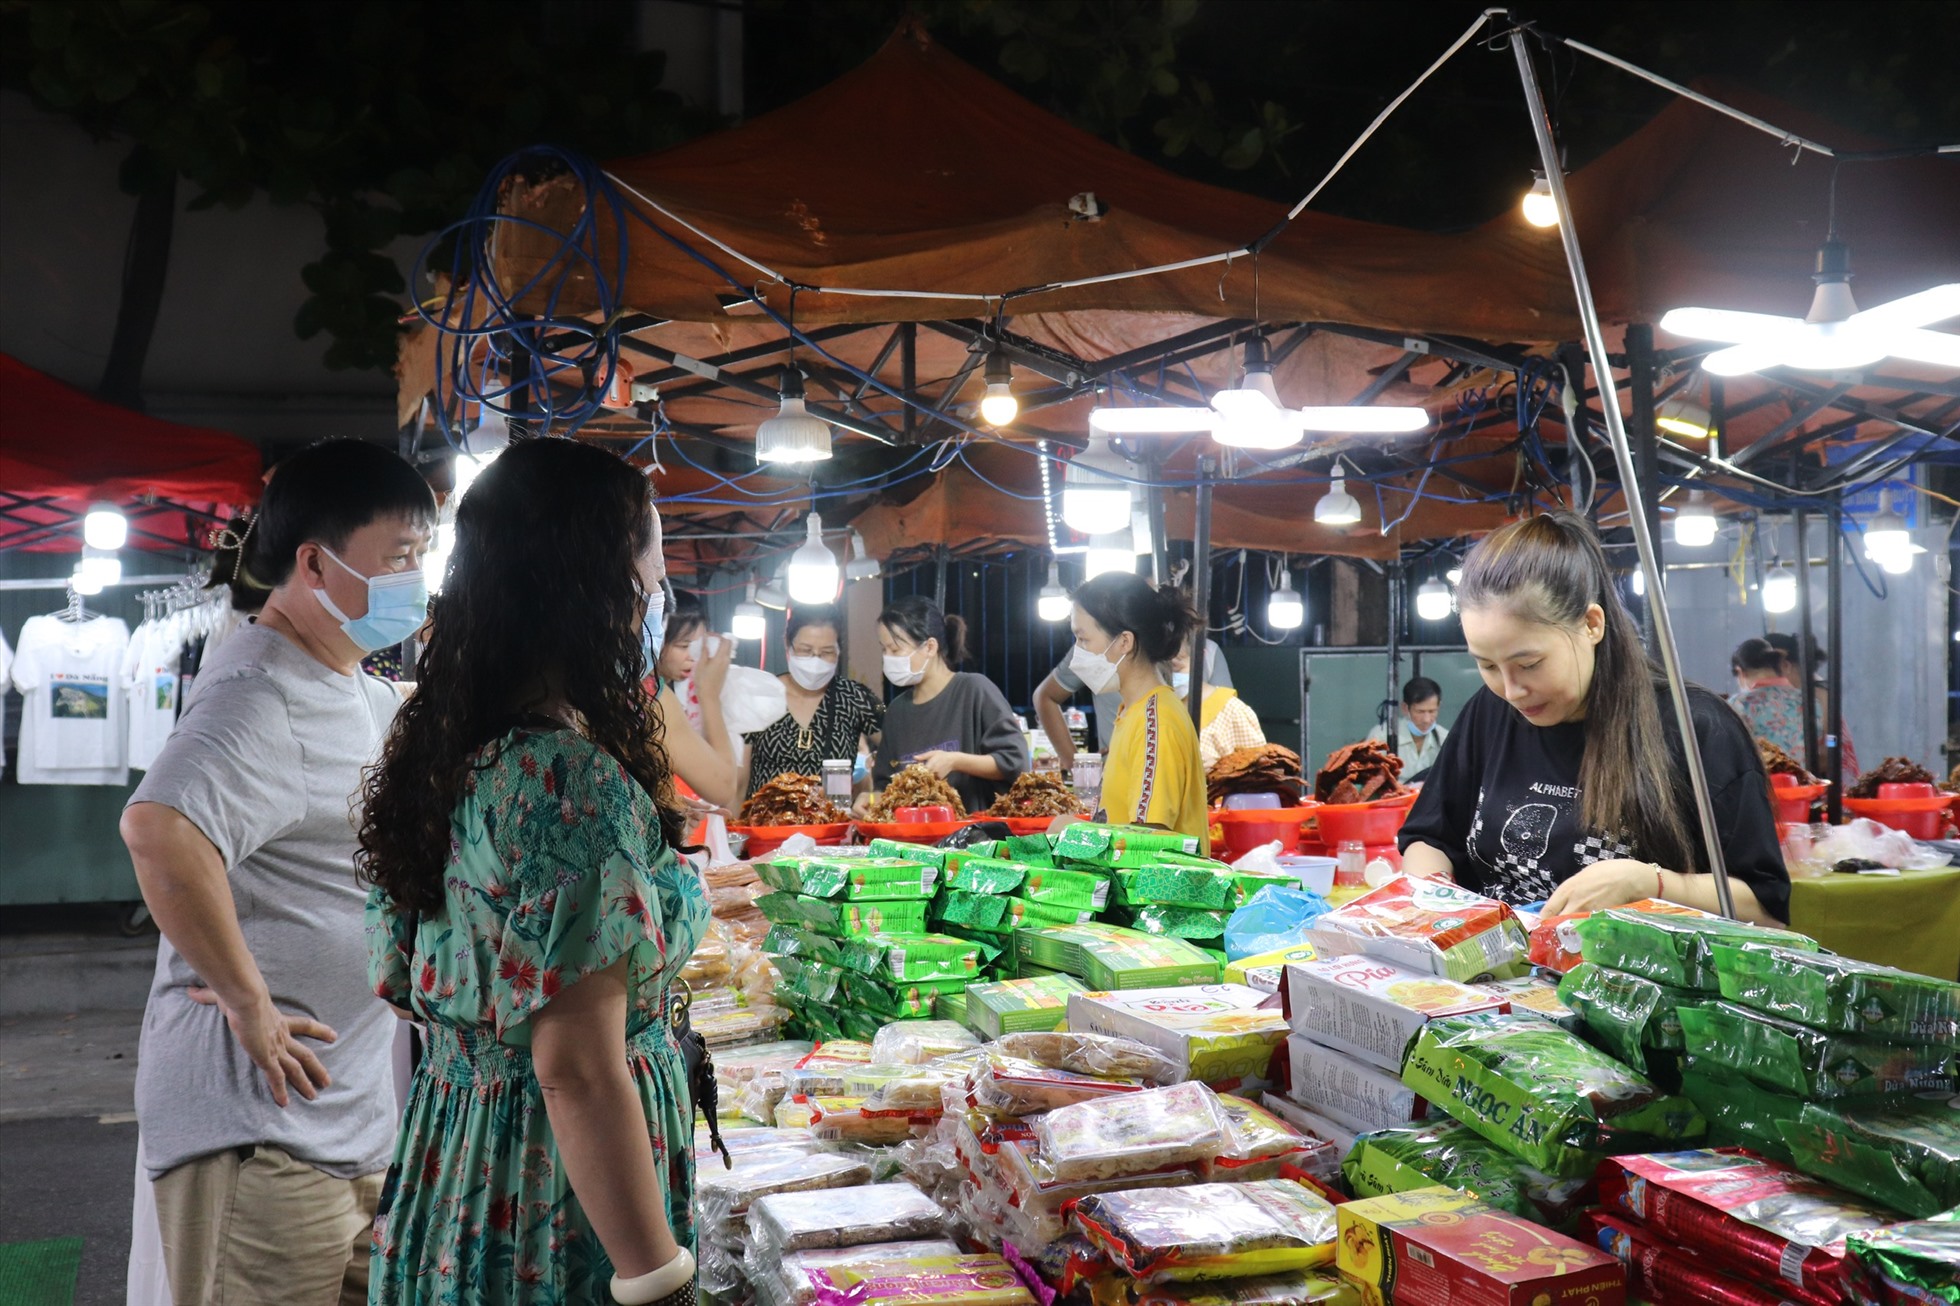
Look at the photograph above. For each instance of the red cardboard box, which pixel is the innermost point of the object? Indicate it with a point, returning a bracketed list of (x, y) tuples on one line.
[(1442, 1247)]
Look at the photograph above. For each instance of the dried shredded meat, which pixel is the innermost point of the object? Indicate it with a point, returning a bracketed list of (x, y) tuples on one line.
[(1892, 771), (792, 799), (1778, 762), (1264, 769), (1034, 794), (915, 786), (1359, 773)]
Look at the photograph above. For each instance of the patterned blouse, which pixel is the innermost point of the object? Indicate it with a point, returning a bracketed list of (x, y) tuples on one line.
[(846, 712), (1774, 711)]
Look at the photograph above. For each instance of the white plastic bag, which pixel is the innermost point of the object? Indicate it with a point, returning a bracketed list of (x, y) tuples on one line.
[(751, 700), (1264, 859), (715, 836)]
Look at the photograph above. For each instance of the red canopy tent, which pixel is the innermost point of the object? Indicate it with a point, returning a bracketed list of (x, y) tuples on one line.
[(62, 449)]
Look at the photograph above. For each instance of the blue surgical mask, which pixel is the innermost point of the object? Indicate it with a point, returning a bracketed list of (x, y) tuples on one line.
[(1420, 732), (398, 604), (653, 630), (1181, 681)]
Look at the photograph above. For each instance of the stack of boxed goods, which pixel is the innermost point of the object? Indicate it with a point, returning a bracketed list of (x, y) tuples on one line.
[(1439, 1245), (1224, 1035)]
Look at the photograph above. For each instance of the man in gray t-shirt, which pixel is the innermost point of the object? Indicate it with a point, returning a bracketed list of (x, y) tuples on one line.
[(1062, 685), (264, 1087)]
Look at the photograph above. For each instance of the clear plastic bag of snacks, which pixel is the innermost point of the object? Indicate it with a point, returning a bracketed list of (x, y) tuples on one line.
[(915, 1042), (1005, 1086), (983, 1280), (739, 1066), (786, 1281), (1103, 1055), (1132, 1133), (843, 1217), (1211, 1231), (1259, 1145), (842, 1120), (723, 1197)]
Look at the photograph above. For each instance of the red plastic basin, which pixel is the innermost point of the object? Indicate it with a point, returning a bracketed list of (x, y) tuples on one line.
[(1367, 823), (1241, 831), (1793, 800), (1922, 818)]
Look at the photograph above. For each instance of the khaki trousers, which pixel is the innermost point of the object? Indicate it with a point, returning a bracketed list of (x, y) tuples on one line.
[(254, 1227)]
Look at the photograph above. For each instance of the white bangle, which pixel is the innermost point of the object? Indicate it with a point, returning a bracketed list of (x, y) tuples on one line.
[(655, 1284)]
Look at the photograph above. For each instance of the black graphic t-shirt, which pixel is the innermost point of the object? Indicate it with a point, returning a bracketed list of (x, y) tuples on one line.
[(1503, 802)]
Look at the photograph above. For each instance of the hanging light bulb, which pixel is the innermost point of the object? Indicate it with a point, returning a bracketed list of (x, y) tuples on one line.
[(1638, 583), (1539, 208), (1694, 522), (105, 527), (751, 622), (998, 406), (85, 581), (1454, 575), (1094, 500), (1684, 415), (101, 565), (774, 594), (1252, 416), (1337, 507), (794, 434), (861, 567), (1433, 600), (1779, 588), (1053, 603), (1110, 552), (813, 571), (1284, 608), (1887, 540)]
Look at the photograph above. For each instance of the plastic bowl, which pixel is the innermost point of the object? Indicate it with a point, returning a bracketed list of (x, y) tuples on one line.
[(930, 814), (1922, 818), (1241, 831), (766, 839), (1366, 823), (910, 831), (1887, 793), (1793, 800)]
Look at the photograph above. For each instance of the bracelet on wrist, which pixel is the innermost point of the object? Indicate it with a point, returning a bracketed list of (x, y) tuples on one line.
[(655, 1284)]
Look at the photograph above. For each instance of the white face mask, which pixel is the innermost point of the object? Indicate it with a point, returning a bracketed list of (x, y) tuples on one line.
[(811, 673), (1095, 670), (900, 671)]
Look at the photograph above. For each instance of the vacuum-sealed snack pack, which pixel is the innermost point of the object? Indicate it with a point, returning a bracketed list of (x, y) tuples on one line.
[(1005, 1086), (915, 1042), (1911, 1264), (915, 958), (723, 1197), (1628, 1015), (1407, 1157), (1839, 995), (1670, 948), (1903, 1153), (786, 1282), (843, 1217), (1132, 1133), (921, 1281), (860, 879), (1091, 1054), (1223, 1034), (1427, 925), (1809, 1062), (1260, 1145), (1543, 1094), (1211, 1231)]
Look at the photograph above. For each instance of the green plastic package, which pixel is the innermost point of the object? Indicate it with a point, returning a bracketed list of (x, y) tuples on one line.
[(840, 919), (973, 873), (1019, 1006), (1675, 950), (950, 1006), (1033, 849), (859, 879), (1740, 1112), (1120, 845), (897, 1001), (1402, 1157), (1208, 887), (1808, 1062), (985, 912), (933, 857), (1028, 915), (1911, 1264), (902, 958), (1839, 994), (1904, 1154), (1109, 957), (1204, 928), (794, 941), (806, 981), (1055, 887), (1628, 1015), (1550, 1099)]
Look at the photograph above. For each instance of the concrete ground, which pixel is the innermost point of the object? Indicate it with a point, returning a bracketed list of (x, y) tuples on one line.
[(71, 1007)]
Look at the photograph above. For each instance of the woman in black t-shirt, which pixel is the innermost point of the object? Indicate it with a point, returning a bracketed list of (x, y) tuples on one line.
[(830, 716), (1564, 777)]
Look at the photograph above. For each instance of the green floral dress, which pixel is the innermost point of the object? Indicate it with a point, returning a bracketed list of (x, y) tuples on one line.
[(557, 869)]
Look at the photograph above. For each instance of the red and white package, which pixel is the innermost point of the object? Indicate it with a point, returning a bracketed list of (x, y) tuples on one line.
[(1555, 939), (1659, 1272)]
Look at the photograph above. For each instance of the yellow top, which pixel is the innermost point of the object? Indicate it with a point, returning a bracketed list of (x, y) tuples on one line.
[(1153, 774)]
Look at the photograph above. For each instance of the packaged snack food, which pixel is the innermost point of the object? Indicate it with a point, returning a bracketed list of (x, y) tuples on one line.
[(915, 1042), (1839, 995), (1104, 1055), (807, 980), (986, 913), (795, 942), (739, 1066), (1426, 925), (860, 879), (1748, 1216), (1132, 1133), (787, 1282), (1534, 995), (950, 1006), (1311, 1123), (843, 1217), (1626, 1014), (1299, 1288), (921, 1281), (1266, 971), (1671, 948), (1029, 915), (931, 856), (1406, 1157), (1904, 1154), (1211, 1231), (1911, 1264), (897, 1001), (1661, 1272), (1353, 1094), (1441, 1245), (1555, 942), (907, 958), (738, 1026), (840, 919), (916, 1093), (1211, 887), (1372, 1008), (1111, 957), (1005, 1086), (723, 1197), (1219, 1033), (1550, 1099), (843, 1120), (1740, 1112), (1808, 1062), (978, 872), (1260, 1145), (1011, 1006), (1204, 928), (1120, 845)]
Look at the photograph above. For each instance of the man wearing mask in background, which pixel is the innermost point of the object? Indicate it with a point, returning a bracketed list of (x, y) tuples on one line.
[(1418, 737)]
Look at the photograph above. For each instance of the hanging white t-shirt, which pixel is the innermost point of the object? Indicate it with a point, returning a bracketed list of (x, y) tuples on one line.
[(150, 679), (73, 727)]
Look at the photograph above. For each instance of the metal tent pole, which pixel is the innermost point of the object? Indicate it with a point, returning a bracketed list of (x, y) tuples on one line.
[(1646, 453), (1616, 433), (1201, 587), (1806, 663), (1833, 678)]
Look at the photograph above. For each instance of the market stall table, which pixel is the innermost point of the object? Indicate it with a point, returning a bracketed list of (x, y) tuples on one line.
[(1910, 920)]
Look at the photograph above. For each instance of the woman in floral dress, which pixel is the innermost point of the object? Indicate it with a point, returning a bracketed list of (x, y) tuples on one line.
[(528, 908)]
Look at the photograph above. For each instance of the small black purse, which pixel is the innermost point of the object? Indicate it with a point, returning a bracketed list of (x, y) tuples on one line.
[(704, 1094)]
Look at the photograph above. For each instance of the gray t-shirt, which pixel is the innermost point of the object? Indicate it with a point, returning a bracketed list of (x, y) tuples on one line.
[(266, 762), (970, 715), (1217, 674)]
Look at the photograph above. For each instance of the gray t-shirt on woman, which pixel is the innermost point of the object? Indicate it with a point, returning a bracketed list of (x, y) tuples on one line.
[(266, 762)]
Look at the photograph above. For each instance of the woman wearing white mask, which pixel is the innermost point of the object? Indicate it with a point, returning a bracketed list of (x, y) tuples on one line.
[(688, 681), (954, 723), (1123, 630), (1227, 724), (830, 716)]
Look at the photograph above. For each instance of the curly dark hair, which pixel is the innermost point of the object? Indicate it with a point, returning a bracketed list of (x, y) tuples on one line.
[(542, 590)]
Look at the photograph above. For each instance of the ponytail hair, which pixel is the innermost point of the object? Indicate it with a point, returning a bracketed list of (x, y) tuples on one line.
[(919, 619), (323, 494), (1756, 655), (1162, 620), (1548, 570)]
